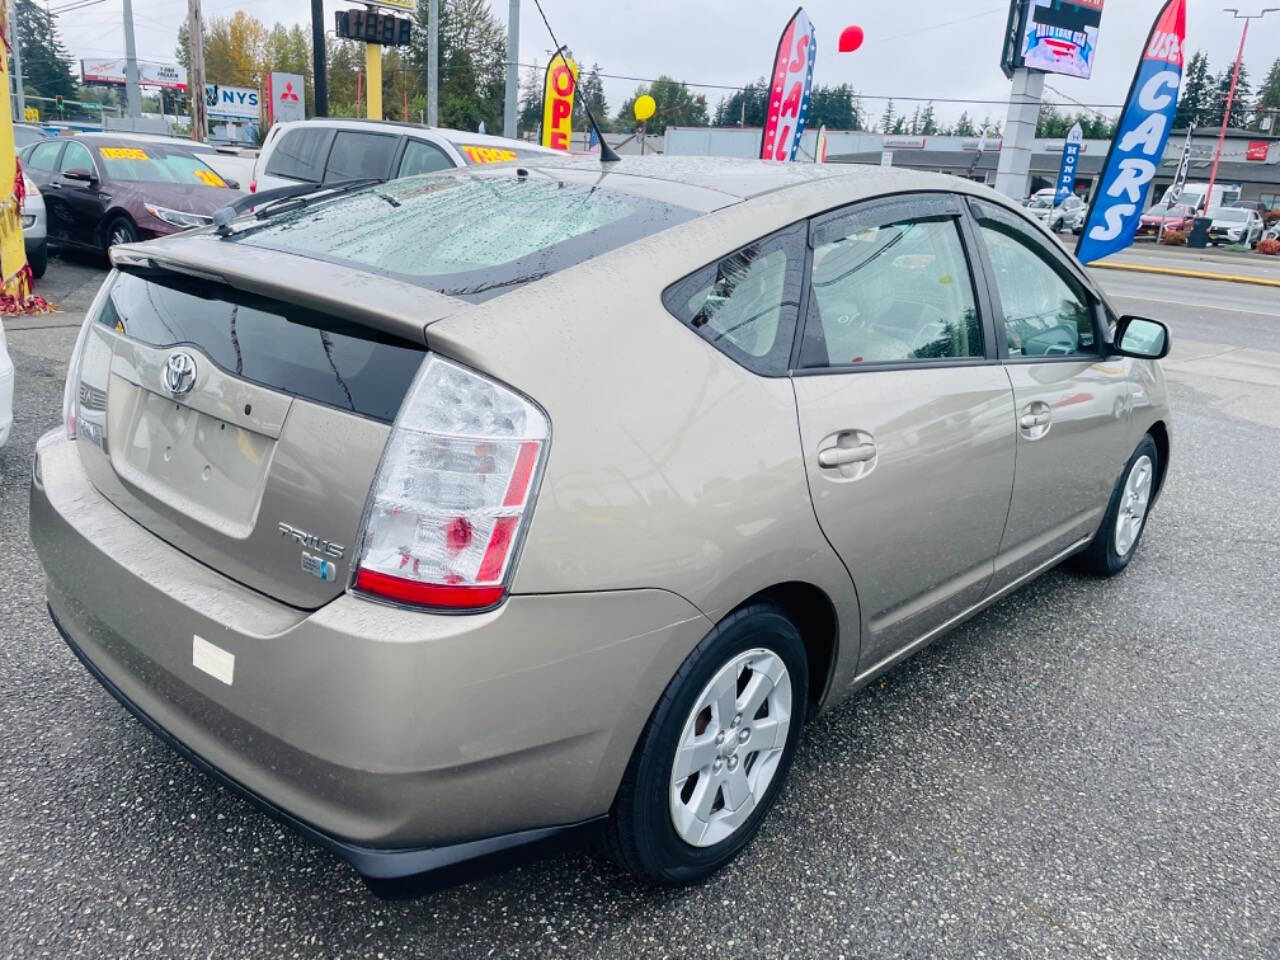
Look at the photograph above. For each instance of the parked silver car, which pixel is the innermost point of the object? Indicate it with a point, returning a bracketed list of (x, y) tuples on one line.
[(35, 228), (464, 511)]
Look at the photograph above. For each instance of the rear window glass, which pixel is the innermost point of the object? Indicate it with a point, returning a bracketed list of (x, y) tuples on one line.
[(155, 164), (280, 346), (356, 156), (472, 237), (300, 154)]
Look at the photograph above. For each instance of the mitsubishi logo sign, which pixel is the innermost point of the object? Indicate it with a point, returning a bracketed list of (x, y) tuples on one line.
[(286, 97)]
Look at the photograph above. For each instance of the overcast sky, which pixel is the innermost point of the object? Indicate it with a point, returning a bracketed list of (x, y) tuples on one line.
[(914, 48)]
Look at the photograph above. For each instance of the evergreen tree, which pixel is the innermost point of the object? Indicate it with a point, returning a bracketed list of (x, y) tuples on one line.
[(1268, 102), (473, 58), (887, 118), (964, 127), (745, 107), (929, 123), (529, 120), (46, 65), (832, 107), (1197, 92), (591, 93), (677, 107), (1239, 105), (914, 127)]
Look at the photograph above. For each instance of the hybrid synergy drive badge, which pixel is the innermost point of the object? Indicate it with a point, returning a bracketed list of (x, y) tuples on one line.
[(319, 567)]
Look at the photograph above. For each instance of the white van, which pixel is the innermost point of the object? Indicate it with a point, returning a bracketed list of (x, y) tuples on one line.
[(326, 150), (1193, 196)]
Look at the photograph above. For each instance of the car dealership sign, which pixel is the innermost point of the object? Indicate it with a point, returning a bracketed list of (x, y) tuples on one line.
[(231, 103)]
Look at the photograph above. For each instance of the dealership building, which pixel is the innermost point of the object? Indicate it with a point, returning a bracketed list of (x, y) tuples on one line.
[(1250, 160)]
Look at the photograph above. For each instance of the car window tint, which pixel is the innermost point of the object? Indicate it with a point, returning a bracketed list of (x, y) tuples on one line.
[(300, 154), (895, 293), (76, 155), (746, 304), (44, 156), (422, 157), (358, 155), (1044, 314)]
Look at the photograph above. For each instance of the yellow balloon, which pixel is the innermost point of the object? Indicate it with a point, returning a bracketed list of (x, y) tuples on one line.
[(646, 106)]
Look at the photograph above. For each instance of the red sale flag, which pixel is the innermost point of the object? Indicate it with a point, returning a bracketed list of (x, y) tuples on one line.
[(789, 91)]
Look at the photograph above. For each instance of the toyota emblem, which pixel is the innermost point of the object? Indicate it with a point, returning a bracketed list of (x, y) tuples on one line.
[(180, 374)]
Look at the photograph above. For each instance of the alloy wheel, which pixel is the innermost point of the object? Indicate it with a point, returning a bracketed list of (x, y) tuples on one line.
[(730, 748), (1133, 505)]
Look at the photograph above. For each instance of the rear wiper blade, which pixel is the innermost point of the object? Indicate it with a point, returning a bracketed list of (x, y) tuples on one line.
[(268, 203)]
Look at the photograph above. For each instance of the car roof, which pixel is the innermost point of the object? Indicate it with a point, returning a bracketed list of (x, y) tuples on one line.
[(404, 127)]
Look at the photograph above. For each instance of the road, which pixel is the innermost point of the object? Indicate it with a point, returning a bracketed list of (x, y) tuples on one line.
[(1088, 769)]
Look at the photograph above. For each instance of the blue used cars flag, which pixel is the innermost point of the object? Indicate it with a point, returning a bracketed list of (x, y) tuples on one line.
[(1140, 139)]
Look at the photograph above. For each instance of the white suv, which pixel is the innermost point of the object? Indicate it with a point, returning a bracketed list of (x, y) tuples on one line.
[(325, 150)]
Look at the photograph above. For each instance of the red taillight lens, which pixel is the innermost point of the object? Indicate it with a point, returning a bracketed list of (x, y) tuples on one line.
[(253, 186), (453, 492)]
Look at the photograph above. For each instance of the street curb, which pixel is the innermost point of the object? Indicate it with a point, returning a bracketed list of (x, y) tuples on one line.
[(1191, 274)]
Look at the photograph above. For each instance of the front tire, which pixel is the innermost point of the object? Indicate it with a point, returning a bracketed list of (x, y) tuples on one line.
[(121, 230), (700, 780), (1116, 541)]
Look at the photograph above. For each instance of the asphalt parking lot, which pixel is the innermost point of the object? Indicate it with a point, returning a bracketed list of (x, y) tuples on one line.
[(1088, 769)]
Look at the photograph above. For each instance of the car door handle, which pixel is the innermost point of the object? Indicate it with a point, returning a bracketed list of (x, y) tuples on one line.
[(54, 185), (843, 456), (1030, 421)]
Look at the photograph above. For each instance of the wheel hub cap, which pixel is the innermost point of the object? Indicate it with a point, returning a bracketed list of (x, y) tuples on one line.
[(729, 750), (1134, 500)]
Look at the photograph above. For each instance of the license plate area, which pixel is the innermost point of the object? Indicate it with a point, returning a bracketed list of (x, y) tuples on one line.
[(206, 468)]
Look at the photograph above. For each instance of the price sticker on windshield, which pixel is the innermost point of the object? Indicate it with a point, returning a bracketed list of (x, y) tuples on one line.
[(123, 153), (209, 178), (477, 154)]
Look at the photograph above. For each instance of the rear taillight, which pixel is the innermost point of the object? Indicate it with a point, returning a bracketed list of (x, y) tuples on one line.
[(454, 492), (253, 186), (72, 406)]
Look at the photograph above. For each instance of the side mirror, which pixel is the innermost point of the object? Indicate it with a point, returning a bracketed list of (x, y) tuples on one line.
[(1141, 338), (232, 184), (80, 173)]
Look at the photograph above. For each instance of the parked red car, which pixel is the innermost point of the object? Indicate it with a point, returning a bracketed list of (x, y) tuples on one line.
[(1177, 217), (104, 189)]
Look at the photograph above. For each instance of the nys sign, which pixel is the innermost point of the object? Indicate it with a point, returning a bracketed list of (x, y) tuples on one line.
[(231, 103)]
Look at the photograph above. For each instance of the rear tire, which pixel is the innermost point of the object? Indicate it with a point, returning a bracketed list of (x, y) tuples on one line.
[(39, 260), (678, 830), (1116, 541)]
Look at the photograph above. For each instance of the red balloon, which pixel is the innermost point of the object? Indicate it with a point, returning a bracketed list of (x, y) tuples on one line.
[(851, 39)]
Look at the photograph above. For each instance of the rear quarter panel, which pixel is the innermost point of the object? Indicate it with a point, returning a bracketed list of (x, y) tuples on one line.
[(670, 466)]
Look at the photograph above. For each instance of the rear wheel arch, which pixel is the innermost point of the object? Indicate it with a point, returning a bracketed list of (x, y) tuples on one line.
[(814, 615)]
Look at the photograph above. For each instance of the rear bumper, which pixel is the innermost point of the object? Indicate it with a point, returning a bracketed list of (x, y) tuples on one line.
[(402, 741)]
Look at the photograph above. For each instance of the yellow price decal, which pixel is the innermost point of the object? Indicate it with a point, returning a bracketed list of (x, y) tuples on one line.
[(209, 178), (487, 154), (123, 153)]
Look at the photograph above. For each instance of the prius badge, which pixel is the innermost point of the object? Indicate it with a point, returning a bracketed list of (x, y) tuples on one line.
[(317, 566)]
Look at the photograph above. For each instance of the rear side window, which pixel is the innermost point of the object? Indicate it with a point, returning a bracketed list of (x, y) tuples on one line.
[(300, 154), (278, 345), (44, 156), (357, 156), (746, 304)]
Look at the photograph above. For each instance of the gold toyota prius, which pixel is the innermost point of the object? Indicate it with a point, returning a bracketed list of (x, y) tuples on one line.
[(480, 510)]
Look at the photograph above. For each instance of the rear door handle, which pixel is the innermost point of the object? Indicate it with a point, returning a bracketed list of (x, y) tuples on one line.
[(843, 456), (1031, 420)]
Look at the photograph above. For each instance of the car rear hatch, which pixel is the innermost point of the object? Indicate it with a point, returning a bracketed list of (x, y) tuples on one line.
[(242, 427)]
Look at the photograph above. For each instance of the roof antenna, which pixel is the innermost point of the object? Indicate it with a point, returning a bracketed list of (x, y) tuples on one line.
[(607, 154)]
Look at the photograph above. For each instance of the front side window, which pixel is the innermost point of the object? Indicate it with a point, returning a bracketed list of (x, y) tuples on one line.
[(746, 304), (300, 153), (896, 293), (76, 156), (1045, 315), (357, 156)]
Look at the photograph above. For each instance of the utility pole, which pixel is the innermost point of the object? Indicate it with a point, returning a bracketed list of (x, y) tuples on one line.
[(1231, 95), (433, 62), (195, 80), (19, 96), (319, 79), (513, 70), (133, 96)]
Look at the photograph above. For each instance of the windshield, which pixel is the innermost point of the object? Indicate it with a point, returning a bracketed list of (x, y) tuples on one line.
[(157, 164), (474, 236), (1041, 203), (1234, 216)]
